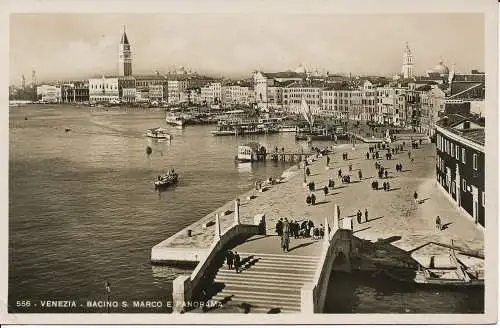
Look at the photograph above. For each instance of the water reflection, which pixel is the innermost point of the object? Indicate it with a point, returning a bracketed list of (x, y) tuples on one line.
[(244, 167)]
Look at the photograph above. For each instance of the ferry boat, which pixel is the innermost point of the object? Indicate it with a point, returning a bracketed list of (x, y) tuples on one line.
[(175, 120), (158, 133), (251, 152)]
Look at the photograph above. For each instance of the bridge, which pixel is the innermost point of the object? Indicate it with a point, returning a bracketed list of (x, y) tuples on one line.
[(270, 280)]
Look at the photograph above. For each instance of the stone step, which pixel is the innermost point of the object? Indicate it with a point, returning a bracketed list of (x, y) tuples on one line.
[(274, 269), (280, 256), (235, 307), (269, 287), (257, 279), (280, 261), (266, 273), (278, 299), (254, 283), (264, 305), (298, 267), (258, 293)]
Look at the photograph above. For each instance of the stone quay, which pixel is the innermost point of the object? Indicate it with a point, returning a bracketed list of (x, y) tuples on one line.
[(394, 218)]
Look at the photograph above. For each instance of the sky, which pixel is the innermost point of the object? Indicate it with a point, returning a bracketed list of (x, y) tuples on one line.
[(67, 46)]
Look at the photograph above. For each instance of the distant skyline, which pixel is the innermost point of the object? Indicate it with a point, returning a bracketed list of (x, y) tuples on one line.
[(72, 46)]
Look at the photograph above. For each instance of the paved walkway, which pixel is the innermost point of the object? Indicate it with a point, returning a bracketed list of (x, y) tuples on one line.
[(392, 214)]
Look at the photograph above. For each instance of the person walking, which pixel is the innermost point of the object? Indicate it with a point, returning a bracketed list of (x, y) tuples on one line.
[(439, 227), (327, 160), (285, 238), (237, 262), (415, 197), (409, 154), (388, 186), (366, 215), (360, 175)]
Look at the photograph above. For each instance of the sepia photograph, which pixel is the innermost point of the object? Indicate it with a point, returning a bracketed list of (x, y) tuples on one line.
[(297, 162)]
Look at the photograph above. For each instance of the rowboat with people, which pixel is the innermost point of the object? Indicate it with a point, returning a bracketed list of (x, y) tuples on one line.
[(166, 180)]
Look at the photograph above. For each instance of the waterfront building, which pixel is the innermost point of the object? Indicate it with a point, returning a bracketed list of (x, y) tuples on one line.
[(236, 95), (124, 56), (294, 93), (391, 105), (48, 93), (432, 105), (407, 70), (81, 91), (460, 162), (264, 81), (158, 92), (211, 93), (194, 95), (175, 86), (104, 89), (128, 95), (126, 83), (67, 92), (369, 101)]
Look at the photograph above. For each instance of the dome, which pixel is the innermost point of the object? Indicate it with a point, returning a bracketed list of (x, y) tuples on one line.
[(300, 70), (181, 70), (441, 68)]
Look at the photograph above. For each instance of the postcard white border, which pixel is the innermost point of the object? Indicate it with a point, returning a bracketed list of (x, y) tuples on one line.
[(488, 7)]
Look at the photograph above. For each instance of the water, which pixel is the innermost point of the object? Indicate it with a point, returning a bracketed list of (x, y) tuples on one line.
[(83, 210)]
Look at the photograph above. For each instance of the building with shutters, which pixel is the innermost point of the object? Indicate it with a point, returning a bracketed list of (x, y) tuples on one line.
[(460, 162)]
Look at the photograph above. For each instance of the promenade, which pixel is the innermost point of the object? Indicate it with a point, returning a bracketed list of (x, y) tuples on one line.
[(393, 215)]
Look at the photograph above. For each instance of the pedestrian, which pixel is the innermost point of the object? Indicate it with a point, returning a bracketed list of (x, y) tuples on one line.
[(367, 155), (308, 172), (325, 191), (237, 262), (350, 167), (358, 216), (385, 186), (366, 215), (327, 160), (285, 238), (438, 223), (340, 173), (388, 186), (415, 197), (279, 226), (313, 199), (229, 259), (409, 154), (360, 175), (386, 173)]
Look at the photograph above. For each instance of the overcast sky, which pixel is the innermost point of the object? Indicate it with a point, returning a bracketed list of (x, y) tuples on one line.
[(64, 46)]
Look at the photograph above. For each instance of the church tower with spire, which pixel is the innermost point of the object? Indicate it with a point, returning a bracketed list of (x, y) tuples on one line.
[(124, 56), (408, 66)]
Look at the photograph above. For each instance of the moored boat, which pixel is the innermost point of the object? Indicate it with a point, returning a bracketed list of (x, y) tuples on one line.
[(251, 152), (175, 120)]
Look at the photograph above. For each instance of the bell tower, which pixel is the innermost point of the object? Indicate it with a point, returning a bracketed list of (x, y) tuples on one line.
[(408, 66), (124, 56)]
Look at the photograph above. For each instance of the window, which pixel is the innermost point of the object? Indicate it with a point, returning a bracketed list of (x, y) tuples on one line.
[(464, 185), (463, 155), (452, 149), (457, 153), (483, 198), (474, 161)]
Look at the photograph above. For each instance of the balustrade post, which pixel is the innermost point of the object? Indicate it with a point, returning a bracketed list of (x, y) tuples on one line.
[(237, 211), (217, 227)]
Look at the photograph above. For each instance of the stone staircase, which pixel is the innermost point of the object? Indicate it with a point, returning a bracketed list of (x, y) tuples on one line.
[(269, 283)]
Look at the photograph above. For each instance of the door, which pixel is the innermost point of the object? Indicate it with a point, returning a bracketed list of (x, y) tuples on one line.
[(475, 204)]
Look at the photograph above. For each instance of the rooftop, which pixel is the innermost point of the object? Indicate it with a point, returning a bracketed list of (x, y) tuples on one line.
[(453, 123)]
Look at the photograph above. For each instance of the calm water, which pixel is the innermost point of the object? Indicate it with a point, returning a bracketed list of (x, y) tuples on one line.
[(83, 209)]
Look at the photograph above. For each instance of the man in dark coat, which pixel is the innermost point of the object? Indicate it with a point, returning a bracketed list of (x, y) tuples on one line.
[(237, 262), (229, 259), (279, 226)]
